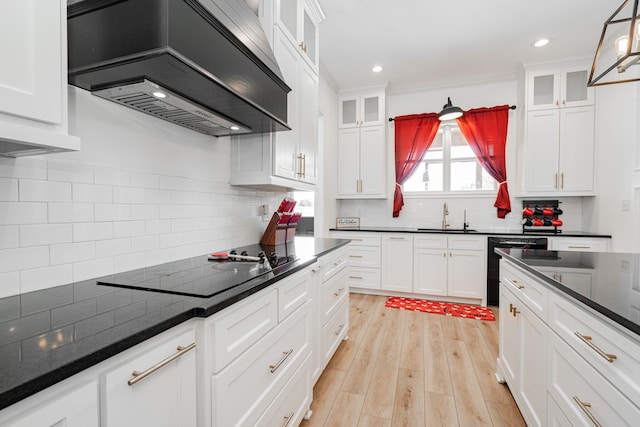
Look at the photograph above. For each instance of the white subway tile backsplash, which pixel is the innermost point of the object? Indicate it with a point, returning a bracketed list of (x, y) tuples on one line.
[(23, 258), (128, 195), (8, 190), (45, 234), (129, 262), (171, 211), (170, 182), (83, 232), (182, 224), (23, 167), (70, 172), (44, 191), (43, 278), (171, 240), (156, 196), (92, 269), (92, 193), (70, 212), (159, 226), (144, 180), (128, 229), (110, 176), (145, 243), (145, 212), (72, 252), (9, 284), (9, 236), (181, 197), (110, 248), (13, 213), (109, 212)]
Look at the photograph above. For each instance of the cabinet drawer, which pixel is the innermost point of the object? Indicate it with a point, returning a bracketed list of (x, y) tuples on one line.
[(582, 393), (334, 293), (334, 264), (526, 288), (364, 278), (358, 238), (243, 390), (292, 293), (364, 256), (160, 397), (430, 241), (292, 403), (468, 242), (579, 244), (238, 327), (568, 320), (334, 331)]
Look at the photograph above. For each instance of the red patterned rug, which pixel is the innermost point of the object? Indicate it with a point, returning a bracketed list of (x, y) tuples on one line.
[(449, 309)]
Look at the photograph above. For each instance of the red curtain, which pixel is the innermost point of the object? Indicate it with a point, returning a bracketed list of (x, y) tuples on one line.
[(413, 137), (485, 129)]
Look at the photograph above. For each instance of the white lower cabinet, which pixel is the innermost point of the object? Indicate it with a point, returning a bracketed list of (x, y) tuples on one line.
[(75, 407), (397, 262), (579, 244), (453, 266), (156, 386), (523, 343), (565, 364), (364, 254)]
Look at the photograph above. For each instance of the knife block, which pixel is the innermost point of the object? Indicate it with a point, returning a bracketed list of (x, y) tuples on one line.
[(277, 234)]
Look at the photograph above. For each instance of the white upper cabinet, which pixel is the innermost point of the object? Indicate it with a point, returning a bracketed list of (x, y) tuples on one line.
[(366, 108), (298, 20), (33, 78), (558, 88)]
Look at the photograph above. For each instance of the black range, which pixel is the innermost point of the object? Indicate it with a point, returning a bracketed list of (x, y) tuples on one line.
[(52, 334)]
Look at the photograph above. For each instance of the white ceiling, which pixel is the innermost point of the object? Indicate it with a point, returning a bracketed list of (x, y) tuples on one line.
[(428, 43)]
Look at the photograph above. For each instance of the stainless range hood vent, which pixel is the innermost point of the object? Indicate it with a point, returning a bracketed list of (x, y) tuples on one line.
[(172, 107)]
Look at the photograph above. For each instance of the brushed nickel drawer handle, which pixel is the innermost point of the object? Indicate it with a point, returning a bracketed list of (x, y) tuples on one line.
[(285, 354), (511, 308), (579, 247), (287, 419), (515, 283), (338, 292), (356, 277), (315, 270), (587, 340), (585, 408), (355, 256), (397, 238), (339, 329), (139, 376)]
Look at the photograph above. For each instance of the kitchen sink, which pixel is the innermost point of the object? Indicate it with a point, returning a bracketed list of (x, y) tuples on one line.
[(448, 230)]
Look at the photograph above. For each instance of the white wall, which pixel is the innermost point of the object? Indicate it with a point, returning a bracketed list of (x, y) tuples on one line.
[(140, 192)]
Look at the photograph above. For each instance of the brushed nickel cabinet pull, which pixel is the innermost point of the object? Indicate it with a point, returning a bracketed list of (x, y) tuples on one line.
[(556, 185), (579, 247), (338, 292), (562, 180), (356, 277), (585, 408), (285, 354), (515, 312), (355, 256), (511, 308), (397, 238), (515, 284), (587, 340), (315, 270), (139, 376), (339, 329), (287, 419)]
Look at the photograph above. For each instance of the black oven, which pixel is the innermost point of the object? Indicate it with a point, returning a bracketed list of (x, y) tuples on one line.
[(493, 260)]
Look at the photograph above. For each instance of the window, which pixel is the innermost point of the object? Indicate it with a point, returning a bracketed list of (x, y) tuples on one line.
[(449, 165)]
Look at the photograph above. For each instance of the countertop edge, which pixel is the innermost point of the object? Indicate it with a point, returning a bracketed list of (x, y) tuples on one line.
[(563, 290), (472, 233)]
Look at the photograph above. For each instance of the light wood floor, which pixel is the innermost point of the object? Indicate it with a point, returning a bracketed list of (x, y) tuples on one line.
[(404, 368)]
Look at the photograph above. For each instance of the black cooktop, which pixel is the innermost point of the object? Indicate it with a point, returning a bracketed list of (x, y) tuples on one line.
[(204, 277)]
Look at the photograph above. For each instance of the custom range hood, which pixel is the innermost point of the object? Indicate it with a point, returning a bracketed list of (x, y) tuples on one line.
[(205, 65)]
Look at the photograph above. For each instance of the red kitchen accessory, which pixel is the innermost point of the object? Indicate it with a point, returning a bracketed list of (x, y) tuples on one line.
[(226, 255), (527, 211), (547, 211), (537, 222), (556, 222)]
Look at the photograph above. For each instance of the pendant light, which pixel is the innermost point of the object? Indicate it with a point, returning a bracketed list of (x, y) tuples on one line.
[(449, 111), (618, 48)]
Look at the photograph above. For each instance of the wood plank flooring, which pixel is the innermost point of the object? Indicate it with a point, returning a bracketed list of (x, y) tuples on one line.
[(405, 368)]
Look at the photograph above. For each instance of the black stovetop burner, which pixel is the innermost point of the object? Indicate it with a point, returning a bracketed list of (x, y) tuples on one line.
[(202, 277)]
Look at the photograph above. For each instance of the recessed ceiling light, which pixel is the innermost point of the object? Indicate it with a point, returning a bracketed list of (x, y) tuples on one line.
[(376, 69), (541, 42), (159, 94), (234, 128)]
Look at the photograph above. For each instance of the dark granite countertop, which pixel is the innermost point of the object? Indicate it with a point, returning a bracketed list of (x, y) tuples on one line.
[(615, 284), (486, 232), (52, 334)]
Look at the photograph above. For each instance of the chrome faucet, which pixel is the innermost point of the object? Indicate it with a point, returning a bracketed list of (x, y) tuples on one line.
[(445, 212)]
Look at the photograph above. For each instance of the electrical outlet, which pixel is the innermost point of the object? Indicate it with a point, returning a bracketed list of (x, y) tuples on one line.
[(626, 205), (624, 266), (263, 210)]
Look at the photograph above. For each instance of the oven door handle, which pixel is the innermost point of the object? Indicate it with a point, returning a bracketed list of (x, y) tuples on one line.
[(518, 243)]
